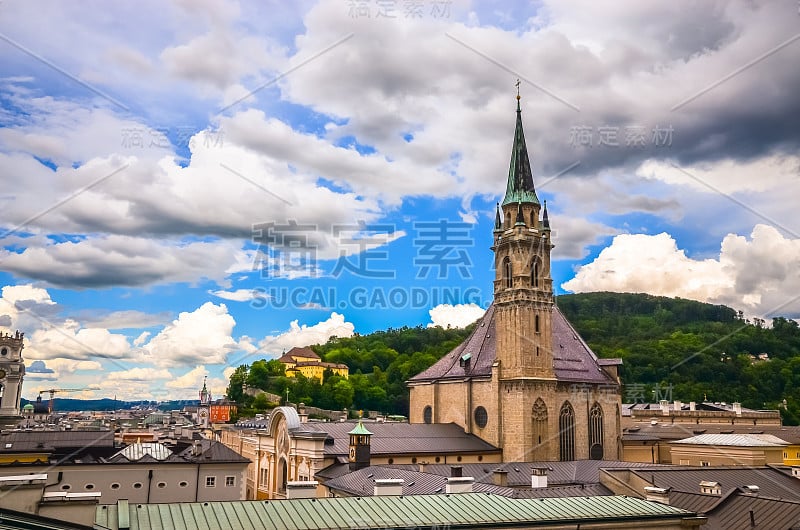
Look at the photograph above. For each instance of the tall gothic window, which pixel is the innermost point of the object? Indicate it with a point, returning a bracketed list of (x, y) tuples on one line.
[(507, 272), (539, 422), (535, 273), (566, 432), (596, 432)]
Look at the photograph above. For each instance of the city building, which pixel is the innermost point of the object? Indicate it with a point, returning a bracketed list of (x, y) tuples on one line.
[(728, 450), (305, 361), (524, 380), (287, 448)]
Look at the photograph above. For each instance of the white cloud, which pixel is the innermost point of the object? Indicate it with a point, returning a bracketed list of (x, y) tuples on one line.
[(239, 295), (139, 374), (305, 335), (455, 316), (757, 275), (72, 341), (200, 336)]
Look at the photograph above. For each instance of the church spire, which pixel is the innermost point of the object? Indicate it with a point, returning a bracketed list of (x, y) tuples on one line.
[(520, 178)]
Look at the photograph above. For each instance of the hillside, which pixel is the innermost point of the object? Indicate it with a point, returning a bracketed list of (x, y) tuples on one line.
[(671, 348)]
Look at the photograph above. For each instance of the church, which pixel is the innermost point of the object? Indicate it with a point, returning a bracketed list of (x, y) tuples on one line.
[(12, 372), (524, 380)]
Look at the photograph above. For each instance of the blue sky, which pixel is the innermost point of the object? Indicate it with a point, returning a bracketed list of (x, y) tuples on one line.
[(188, 186)]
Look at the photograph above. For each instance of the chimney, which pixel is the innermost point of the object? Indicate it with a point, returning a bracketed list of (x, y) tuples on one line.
[(301, 489), (500, 477), (737, 408), (456, 471), (538, 477), (654, 494), (692, 406), (664, 407), (677, 405), (459, 485), (301, 412), (388, 486)]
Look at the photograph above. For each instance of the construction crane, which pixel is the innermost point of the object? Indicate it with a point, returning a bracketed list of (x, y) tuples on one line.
[(53, 391)]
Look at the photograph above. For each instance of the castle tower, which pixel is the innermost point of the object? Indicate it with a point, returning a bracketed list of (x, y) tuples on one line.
[(12, 372)]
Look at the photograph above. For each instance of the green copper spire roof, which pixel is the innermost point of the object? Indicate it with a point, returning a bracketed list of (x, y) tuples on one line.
[(520, 178), (360, 429)]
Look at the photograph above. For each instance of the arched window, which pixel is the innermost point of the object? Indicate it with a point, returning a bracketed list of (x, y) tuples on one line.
[(566, 432), (539, 423), (533, 218), (507, 272), (536, 324), (596, 432), (535, 272), (427, 414), (508, 220), (481, 417)]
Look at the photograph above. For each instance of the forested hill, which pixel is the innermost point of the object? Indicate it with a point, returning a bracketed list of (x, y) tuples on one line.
[(671, 348), (681, 349)]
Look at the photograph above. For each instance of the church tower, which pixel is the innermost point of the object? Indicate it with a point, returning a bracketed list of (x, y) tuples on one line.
[(12, 372), (524, 380), (523, 289), (204, 408)]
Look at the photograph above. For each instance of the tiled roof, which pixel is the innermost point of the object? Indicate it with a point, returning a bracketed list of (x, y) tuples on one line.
[(403, 438), (468, 510), (308, 353), (735, 440), (573, 360)]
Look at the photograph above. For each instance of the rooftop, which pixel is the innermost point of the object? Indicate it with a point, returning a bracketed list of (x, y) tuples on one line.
[(734, 440), (468, 510)]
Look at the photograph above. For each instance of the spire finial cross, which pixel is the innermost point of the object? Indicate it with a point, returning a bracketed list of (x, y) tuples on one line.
[(517, 85)]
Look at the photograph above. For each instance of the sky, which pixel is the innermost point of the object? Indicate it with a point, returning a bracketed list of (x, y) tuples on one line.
[(188, 186)]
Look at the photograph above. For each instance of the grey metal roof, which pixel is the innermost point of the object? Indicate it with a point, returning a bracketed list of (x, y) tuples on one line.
[(12, 520), (25, 441), (573, 360), (678, 431), (362, 483), (404, 438), (734, 440), (733, 513), (472, 510), (771, 481), (519, 473)]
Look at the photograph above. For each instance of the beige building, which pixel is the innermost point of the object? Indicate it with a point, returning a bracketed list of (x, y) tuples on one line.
[(524, 380), (305, 361), (728, 450), (288, 448)]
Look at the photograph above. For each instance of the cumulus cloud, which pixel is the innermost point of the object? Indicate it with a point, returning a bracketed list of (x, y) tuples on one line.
[(199, 336), (139, 374), (757, 274), (455, 316), (72, 341), (305, 335)]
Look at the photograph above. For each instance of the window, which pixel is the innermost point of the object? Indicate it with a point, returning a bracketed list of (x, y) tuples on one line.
[(264, 477), (539, 424), (535, 273), (705, 464), (596, 432), (438, 459), (211, 482), (161, 485), (508, 278), (481, 417), (183, 484), (89, 486), (230, 481), (536, 324), (566, 432), (137, 485), (427, 414), (115, 486), (65, 487), (4, 352)]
